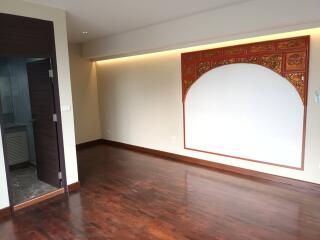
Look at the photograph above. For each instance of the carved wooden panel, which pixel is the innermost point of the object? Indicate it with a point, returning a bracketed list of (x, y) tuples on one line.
[(287, 57)]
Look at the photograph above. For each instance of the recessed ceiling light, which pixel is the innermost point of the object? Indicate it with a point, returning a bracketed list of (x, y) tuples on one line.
[(84, 33)]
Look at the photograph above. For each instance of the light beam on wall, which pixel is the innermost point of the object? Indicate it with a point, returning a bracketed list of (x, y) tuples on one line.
[(209, 46)]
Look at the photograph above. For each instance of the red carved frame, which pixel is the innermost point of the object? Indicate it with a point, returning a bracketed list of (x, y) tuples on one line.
[(287, 57)]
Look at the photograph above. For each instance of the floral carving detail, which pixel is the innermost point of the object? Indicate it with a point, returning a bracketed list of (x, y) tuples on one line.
[(262, 48), (296, 61), (291, 44), (234, 51), (203, 68), (297, 80), (211, 54), (253, 60), (273, 62)]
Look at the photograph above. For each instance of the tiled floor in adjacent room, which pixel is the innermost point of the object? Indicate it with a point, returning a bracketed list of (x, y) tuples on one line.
[(26, 185)]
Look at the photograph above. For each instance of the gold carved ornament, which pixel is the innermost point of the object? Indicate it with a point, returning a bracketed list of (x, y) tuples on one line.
[(287, 57)]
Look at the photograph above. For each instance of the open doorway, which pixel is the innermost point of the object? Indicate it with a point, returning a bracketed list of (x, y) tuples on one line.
[(29, 127)]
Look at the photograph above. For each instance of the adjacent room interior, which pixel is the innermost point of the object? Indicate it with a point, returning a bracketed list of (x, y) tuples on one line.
[(160, 120), (19, 103)]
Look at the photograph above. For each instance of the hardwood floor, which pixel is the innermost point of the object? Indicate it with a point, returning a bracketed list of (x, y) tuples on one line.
[(129, 195)]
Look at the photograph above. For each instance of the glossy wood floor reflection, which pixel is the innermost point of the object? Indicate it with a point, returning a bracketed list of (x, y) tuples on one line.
[(129, 195)]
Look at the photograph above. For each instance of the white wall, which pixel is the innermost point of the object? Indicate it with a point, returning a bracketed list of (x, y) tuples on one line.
[(58, 17), (248, 111), (85, 96), (252, 18), (141, 104)]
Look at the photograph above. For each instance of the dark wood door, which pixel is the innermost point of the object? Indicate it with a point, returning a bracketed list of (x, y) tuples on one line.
[(45, 128)]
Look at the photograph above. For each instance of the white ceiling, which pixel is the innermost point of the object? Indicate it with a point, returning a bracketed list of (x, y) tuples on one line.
[(108, 17)]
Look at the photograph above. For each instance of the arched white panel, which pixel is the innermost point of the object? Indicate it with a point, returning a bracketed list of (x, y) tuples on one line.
[(247, 111)]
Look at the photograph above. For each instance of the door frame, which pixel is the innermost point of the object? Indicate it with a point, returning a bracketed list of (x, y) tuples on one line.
[(61, 158), (33, 38)]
